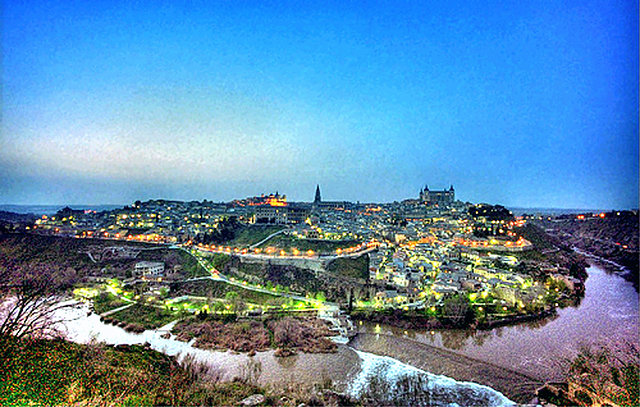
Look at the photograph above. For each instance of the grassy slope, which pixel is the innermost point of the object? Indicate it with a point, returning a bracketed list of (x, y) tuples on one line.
[(250, 235), (24, 249), (62, 252), (218, 260), (191, 265), (557, 252), (540, 239), (57, 372), (106, 301), (321, 246), (296, 279)]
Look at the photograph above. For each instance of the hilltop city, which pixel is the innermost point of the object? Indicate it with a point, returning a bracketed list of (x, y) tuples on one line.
[(404, 255)]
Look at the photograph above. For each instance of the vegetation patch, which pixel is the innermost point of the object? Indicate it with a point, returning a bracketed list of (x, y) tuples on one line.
[(213, 333), (608, 373), (301, 334), (219, 289), (105, 301), (292, 334), (351, 267), (191, 266), (57, 372), (143, 317), (253, 234), (218, 260)]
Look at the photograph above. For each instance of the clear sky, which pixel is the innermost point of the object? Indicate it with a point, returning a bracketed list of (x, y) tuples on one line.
[(531, 104)]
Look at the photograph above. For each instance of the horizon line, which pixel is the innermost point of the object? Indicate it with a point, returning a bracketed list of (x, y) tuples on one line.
[(362, 203)]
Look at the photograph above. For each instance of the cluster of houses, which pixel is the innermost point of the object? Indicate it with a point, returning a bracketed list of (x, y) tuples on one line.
[(436, 268), (158, 221)]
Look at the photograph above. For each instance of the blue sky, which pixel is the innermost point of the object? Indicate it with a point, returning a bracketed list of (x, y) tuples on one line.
[(530, 104)]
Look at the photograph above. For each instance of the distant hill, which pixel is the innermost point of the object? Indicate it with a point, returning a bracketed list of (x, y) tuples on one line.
[(13, 217), (51, 209), (551, 211)]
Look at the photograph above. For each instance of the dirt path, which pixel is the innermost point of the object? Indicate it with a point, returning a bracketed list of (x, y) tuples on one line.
[(113, 311)]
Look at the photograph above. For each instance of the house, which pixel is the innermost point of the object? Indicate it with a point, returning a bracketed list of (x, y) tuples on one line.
[(150, 269)]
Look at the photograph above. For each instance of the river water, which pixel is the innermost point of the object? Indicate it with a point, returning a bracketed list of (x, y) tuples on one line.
[(608, 313), (355, 372)]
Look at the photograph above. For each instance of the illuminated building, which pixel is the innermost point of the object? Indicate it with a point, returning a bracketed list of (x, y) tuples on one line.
[(281, 214), (445, 196)]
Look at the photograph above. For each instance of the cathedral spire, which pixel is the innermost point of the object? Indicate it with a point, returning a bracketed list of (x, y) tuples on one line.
[(318, 198)]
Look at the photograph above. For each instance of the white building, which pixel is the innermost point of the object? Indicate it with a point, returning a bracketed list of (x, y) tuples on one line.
[(150, 268)]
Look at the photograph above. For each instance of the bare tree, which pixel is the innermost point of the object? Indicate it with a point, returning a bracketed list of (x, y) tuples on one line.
[(31, 300)]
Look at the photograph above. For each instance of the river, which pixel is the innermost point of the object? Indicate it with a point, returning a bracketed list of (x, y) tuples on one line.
[(354, 372), (388, 362), (608, 313)]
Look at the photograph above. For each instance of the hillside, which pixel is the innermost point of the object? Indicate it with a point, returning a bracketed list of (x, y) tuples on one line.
[(612, 236), (57, 372), (548, 251), (19, 250)]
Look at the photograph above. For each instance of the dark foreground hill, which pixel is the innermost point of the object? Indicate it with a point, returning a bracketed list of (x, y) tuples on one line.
[(58, 372)]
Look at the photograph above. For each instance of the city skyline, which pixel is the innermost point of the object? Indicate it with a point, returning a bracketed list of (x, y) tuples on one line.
[(22, 208), (521, 104)]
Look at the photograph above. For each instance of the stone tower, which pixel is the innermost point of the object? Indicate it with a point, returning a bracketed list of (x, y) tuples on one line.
[(318, 198)]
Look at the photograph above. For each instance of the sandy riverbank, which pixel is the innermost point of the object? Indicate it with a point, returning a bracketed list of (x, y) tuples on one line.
[(516, 386)]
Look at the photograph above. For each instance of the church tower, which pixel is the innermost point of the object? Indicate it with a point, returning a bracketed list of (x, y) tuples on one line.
[(318, 198)]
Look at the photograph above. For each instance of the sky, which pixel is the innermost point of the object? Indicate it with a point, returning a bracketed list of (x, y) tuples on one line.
[(522, 103)]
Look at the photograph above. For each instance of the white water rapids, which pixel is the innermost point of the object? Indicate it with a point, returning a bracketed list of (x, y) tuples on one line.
[(397, 382)]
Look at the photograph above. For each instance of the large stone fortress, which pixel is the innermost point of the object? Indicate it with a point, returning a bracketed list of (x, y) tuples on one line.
[(445, 197)]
